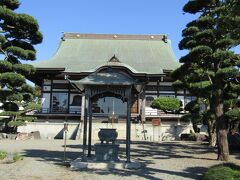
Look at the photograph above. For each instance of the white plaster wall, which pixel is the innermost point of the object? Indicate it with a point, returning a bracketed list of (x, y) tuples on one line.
[(50, 130), (167, 131)]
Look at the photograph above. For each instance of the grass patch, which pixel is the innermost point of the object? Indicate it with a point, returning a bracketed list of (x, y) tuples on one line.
[(222, 172), (17, 157), (3, 155)]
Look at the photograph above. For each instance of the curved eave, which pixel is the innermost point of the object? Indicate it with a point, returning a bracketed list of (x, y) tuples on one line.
[(129, 70)]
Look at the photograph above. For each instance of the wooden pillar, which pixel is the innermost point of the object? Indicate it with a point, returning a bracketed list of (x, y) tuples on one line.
[(83, 107), (50, 110), (90, 127), (158, 88), (128, 126), (143, 104), (85, 127), (139, 104), (69, 92)]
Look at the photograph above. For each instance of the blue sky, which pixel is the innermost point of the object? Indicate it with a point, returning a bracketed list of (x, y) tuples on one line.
[(105, 16)]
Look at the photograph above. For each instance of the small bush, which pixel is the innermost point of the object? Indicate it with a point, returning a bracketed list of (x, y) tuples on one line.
[(17, 157), (166, 104), (3, 155), (222, 172)]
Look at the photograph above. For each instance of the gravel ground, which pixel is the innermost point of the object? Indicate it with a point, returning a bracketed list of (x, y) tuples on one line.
[(43, 159)]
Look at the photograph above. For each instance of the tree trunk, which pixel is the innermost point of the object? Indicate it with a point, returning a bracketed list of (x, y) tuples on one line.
[(212, 139), (223, 150), (212, 133), (221, 123)]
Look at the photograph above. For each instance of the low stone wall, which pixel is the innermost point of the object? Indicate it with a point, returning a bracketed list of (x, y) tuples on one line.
[(51, 130), (166, 131)]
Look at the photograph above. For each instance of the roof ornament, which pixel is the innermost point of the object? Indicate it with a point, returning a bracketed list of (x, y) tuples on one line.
[(63, 37), (66, 77), (114, 59), (165, 38)]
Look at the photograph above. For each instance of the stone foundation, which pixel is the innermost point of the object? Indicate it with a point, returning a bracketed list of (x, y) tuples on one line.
[(165, 132), (91, 164)]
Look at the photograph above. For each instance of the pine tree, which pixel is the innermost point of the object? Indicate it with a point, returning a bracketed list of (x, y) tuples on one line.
[(18, 34), (209, 70)]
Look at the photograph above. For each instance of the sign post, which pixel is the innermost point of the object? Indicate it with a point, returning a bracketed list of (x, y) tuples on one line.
[(65, 128), (156, 123)]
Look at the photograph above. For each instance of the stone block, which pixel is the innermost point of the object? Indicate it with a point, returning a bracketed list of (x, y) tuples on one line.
[(36, 134), (3, 135), (24, 136), (78, 165), (132, 165), (201, 137), (11, 136), (106, 152)]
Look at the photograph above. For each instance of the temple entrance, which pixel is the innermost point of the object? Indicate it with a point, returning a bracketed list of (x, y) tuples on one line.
[(107, 106)]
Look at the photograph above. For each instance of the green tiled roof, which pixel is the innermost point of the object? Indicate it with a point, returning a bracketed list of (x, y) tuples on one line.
[(104, 79), (149, 54)]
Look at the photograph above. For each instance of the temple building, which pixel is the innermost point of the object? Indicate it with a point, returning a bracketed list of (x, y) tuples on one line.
[(113, 73)]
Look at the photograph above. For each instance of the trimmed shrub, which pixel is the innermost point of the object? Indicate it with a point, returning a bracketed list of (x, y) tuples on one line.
[(17, 157), (3, 155), (222, 172), (166, 104)]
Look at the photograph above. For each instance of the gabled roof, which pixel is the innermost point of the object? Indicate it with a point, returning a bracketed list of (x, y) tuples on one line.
[(150, 54)]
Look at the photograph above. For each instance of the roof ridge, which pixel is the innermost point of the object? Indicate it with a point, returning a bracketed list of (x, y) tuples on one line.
[(162, 37)]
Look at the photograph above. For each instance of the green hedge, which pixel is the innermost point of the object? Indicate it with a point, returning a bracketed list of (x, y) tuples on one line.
[(166, 103), (222, 172), (3, 155)]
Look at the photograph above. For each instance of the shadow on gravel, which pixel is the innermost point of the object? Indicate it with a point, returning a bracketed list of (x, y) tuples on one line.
[(55, 157), (147, 153), (152, 173), (236, 154), (168, 150)]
